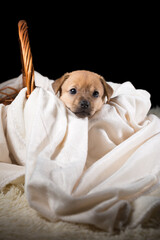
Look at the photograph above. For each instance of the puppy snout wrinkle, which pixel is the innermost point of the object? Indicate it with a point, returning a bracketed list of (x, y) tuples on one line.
[(84, 104)]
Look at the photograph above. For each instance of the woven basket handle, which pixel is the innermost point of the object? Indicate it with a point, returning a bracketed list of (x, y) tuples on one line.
[(26, 58)]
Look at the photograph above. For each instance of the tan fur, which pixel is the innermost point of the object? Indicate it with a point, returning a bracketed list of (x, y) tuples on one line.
[(85, 83)]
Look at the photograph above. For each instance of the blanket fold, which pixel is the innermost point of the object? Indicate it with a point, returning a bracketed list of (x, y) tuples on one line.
[(103, 171)]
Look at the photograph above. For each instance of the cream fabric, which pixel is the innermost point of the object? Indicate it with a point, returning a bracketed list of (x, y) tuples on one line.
[(104, 171)]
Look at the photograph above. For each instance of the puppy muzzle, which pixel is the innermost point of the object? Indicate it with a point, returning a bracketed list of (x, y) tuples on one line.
[(84, 109)]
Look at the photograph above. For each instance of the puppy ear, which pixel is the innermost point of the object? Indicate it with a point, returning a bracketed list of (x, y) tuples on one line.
[(108, 90), (58, 82)]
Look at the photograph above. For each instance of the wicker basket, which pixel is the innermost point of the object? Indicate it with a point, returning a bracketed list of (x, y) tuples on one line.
[(8, 94)]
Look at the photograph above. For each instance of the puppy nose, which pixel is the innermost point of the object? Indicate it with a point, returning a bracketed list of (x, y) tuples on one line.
[(84, 104)]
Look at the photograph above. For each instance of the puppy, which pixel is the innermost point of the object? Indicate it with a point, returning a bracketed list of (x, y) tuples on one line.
[(83, 92)]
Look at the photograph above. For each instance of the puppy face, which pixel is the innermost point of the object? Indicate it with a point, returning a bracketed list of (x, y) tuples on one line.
[(82, 92)]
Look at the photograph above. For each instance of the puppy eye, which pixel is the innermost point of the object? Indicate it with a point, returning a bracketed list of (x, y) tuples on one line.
[(95, 94), (73, 91)]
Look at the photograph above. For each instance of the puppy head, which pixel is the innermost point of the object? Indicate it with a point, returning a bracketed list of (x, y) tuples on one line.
[(82, 92)]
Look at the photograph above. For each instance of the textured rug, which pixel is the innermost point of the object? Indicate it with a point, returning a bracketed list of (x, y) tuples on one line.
[(19, 221)]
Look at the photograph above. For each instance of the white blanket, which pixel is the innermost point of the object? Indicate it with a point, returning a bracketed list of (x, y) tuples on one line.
[(104, 171)]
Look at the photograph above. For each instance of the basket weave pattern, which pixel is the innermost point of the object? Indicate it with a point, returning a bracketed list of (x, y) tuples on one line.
[(6, 97)]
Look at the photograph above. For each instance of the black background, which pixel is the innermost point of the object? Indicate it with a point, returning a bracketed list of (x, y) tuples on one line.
[(120, 42)]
